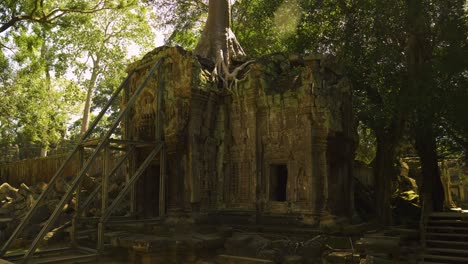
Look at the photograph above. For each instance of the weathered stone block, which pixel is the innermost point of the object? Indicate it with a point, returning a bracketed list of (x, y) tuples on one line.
[(7, 190), (24, 190), (293, 260), (269, 254), (228, 259), (41, 214), (246, 244), (341, 257)]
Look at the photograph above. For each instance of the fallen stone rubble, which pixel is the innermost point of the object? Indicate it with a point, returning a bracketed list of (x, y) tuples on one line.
[(16, 202), (319, 249)]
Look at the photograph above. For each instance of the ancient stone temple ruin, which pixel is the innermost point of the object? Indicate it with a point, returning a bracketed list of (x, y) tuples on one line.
[(274, 145), (193, 155)]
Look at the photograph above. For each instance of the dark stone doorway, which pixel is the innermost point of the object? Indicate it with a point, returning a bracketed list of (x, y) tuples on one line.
[(278, 182), (147, 193)]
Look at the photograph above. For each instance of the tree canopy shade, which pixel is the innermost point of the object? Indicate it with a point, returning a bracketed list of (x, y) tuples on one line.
[(40, 102), (102, 41), (183, 20), (51, 65), (16, 12)]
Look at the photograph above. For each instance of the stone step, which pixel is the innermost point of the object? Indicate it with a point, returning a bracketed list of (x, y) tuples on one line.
[(66, 259), (5, 220), (59, 255), (431, 262), (447, 222), (449, 228), (447, 243), (4, 211), (448, 250), (229, 259), (278, 229), (447, 214), (445, 258), (447, 235)]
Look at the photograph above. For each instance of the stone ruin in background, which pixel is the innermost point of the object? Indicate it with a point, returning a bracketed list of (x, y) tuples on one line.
[(276, 148)]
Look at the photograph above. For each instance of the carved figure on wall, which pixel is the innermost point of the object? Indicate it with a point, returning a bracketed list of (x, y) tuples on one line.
[(301, 183), (145, 116)]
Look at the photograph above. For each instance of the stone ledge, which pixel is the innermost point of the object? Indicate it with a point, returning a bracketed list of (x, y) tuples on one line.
[(229, 259)]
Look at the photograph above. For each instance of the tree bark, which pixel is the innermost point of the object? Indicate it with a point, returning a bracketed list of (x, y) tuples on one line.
[(420, 77), (89, 93), (48, 84), (385, 173), (218, 42), (432, 189), (385, 176)]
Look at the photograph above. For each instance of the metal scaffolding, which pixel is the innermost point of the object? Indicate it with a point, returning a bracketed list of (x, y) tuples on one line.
[(103, 147)]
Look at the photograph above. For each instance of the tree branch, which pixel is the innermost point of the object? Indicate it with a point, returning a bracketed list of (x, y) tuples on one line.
[(35, 8), (49, 17), (8, 24), (6, 47)]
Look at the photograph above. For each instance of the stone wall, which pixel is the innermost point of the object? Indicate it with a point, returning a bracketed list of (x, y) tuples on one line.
[(279, 142)]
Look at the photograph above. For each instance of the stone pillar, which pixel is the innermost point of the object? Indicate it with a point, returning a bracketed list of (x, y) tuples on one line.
[(220, 155), (320, 173), (199, 102)]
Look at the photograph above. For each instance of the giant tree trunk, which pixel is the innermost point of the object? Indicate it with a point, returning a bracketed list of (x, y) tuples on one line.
[(218, 42), (432, 189), (419, 62), (385, 172), (385, 177)]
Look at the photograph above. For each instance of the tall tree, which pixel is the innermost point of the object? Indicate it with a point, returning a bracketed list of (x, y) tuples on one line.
[(38, 85), (218, 42), (100, 46), (39, 97), (437, 36), (418, 60)]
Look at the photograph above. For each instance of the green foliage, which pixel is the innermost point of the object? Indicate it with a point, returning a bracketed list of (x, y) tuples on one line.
[(100, 130), (183, 18), (16, 14), (254, 22), (450, 67), (8, 107), (43, 46), (46, 64), (38, 113), (105, 47)]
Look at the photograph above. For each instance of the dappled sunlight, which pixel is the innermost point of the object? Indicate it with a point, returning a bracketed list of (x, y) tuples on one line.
[(287, 17)]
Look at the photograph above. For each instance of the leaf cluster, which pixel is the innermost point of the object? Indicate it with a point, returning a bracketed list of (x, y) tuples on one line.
[(48, 50)]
